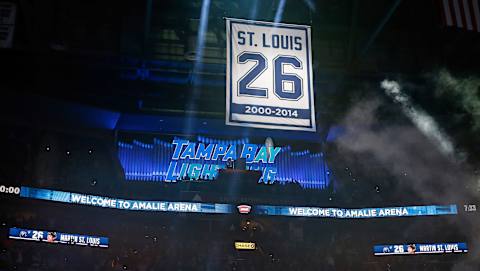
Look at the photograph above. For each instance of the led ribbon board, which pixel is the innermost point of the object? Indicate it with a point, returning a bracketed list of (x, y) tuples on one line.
[(57, 237), (412, 249), (133, 205), (269, 75), (221, 208), (356, 213)]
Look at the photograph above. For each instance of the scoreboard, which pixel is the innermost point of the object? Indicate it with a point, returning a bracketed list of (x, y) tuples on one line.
[(54, 237), (412, 249)]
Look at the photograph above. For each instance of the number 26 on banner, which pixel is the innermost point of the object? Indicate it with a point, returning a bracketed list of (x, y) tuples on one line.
[(279, 76)]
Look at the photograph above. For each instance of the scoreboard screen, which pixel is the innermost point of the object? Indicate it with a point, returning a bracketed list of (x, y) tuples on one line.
[(412, 249), (54, 237)]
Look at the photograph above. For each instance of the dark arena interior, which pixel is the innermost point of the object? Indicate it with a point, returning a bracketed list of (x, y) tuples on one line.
[(240, 135)]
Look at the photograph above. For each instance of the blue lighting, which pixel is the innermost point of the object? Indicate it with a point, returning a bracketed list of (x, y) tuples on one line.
[(279, 12), (149, 162)]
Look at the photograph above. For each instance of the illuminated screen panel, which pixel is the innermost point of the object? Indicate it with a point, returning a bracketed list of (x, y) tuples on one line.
[(174, 159), (123, 204), (242, 209), (54, 237), (357, 213), (245, 246), (412, 249)]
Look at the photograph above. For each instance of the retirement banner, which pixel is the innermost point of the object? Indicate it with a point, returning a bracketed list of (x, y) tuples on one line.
[(269, 76)]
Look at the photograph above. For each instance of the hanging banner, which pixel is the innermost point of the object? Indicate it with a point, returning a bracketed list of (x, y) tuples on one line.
[(269, 76)]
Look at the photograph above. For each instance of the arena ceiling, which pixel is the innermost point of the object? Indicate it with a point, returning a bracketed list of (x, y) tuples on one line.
[(140, 56)]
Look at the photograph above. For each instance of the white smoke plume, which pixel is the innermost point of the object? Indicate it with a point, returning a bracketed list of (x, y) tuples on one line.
[(421, 119), (420, 149)]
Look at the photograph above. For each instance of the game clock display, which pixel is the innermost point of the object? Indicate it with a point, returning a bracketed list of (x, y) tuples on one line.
[(9, 190)]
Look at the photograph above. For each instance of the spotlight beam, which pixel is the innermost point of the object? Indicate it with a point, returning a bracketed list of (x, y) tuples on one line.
[(279, 13), (380, 26), (202, 31)]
